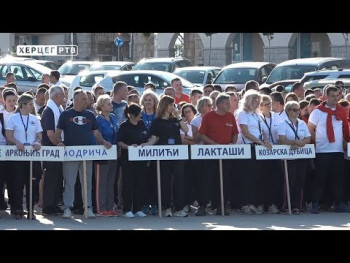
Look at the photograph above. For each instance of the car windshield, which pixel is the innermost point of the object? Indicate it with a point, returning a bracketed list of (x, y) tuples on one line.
[(72, 69), (90, 80), (194, 76), (236, 75), (161, 66), (289, 72)]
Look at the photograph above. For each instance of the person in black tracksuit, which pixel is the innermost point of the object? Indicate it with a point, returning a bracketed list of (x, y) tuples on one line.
[(132, 132), (165, 130)]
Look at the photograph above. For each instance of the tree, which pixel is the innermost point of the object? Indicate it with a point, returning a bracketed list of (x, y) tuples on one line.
[(209, 35), (269, 38)]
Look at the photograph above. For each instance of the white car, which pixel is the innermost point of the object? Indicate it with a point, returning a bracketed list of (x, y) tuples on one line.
[(72, 68), (87, 79), (112, 65), (199, 76)]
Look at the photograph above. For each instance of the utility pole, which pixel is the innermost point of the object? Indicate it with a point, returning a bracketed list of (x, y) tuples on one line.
[(209, 35), (346, 38)]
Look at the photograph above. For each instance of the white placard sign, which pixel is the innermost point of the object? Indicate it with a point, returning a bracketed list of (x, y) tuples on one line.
[(46, 153), (219, 151), (89, 152), (348, 149), (158, 152), (284, 152)]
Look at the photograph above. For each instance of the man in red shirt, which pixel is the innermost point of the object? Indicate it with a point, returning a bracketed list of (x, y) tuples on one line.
[(179, 95), (218, 127)]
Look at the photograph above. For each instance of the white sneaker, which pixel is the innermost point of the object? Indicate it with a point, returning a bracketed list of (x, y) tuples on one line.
[(186, 209), (260, 209), (273, 209), (253, 209), (246, 210), (67, 213), (90, 214), (140, 214), (180, 213), (129, 214), (168, 213)]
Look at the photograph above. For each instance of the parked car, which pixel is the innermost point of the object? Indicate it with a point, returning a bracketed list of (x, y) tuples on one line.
[(239, 73), (138, 79), (321, 74), (162, 64), (72, 68), (296, 68), (199, 76), (28, 74), (47, 63), (320, 83), (86, 79), (112, 65)]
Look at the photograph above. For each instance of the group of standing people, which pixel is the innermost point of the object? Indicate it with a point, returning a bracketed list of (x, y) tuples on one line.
[(223, 117)]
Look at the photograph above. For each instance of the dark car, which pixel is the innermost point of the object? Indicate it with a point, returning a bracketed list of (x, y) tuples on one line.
[(162, 64), (296, 68)]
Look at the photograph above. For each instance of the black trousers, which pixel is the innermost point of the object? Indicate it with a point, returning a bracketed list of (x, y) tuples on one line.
[(172, 184), (133, 184), (329, 166), (52, 184)]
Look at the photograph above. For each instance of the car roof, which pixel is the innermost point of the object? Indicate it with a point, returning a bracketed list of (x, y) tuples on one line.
[(42, 61), (308, 61), (198, 68), (96, 72), (327, 71), (29, 63), (248, 65), (163, 59), (119, 63), (79, 62)]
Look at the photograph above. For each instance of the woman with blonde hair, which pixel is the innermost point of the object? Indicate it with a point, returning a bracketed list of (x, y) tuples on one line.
[(149, 103), (250, 125), (106, 170)]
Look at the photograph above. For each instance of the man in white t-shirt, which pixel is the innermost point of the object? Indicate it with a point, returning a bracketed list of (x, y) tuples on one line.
[(329, 130)]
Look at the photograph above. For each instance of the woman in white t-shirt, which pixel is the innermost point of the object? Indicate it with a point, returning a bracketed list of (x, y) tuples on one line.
[(189, 138), (270, 180), (10, 100), (294, 132), (23, 129)]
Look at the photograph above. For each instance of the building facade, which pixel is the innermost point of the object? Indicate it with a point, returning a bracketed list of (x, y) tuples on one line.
[(216, 49)]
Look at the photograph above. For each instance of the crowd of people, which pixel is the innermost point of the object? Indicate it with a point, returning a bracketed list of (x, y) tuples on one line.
[(209, 116)]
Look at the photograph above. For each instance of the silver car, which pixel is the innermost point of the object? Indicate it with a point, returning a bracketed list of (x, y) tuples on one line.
[(138, 79), (239, 73), (28, 74)]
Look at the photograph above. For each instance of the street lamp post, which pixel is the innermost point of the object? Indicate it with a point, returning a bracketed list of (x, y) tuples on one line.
[(269, 38), (209, 35), (346, 38)]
